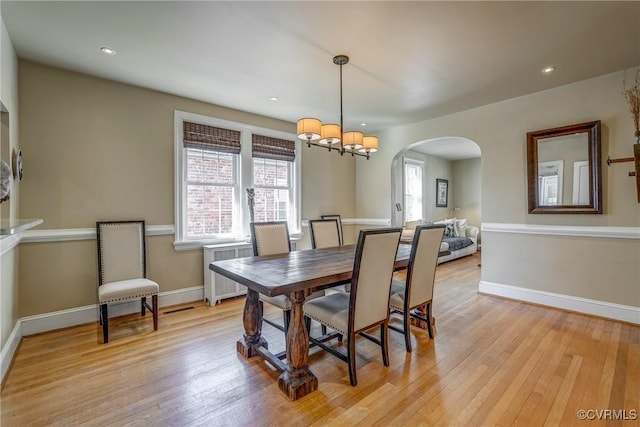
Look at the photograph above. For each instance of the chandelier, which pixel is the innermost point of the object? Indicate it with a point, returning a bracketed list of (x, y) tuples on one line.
[(333, 136)]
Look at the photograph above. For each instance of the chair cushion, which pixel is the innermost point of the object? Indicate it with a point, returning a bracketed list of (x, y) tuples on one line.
[(396, 300), (280, 301), (339, 288), (126, 289), (283, 302), (331, 310)]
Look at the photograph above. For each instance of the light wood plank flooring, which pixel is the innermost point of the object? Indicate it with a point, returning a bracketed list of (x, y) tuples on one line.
[(493, 362)]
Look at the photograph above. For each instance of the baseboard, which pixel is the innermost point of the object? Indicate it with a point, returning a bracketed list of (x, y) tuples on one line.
[(9, 349), (605, 309), (87, 314)]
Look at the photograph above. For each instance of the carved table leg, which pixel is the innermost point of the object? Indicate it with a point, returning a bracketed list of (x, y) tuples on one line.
[(252, 319), (297, 380)]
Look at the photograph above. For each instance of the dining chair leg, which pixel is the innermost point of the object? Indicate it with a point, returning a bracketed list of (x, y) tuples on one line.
[(384, 343), (154, 302), (143, 308), (407, 330), (104, 315), (429, 320), (351, 351)]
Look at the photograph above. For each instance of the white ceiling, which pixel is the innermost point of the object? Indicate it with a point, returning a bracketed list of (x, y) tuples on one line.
[(410, 61)]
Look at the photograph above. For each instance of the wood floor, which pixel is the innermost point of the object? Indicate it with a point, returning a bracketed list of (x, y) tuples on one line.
[(493, 362)]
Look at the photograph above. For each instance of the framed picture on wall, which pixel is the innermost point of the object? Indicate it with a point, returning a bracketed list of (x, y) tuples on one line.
[(442, 192)]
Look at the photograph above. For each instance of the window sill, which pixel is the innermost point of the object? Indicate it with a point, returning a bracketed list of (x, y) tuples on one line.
[(190, 245)]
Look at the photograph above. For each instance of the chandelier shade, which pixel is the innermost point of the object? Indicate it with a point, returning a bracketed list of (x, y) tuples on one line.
[(330, 134), (352, 140), (369, 144), (309, 129), (333, 136)]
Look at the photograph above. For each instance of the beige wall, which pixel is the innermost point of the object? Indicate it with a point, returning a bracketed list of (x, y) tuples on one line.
[(500, 131), (96, 149), (467, 190), (9, 260)]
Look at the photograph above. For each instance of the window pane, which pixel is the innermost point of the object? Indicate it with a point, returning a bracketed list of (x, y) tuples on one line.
[(258, 172), (194, 165), (209, 210), (282, 173), (209, 166), (271, 173), (413, 192), (271, 204)]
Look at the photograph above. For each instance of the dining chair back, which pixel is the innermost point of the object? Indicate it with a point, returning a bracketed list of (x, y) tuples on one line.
[(122, 269), (270, 238), (325, 233), (417, 289), (367, 305), (339, 219)]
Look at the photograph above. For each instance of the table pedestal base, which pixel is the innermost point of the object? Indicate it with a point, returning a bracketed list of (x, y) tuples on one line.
[(297, 387), (250, 350)]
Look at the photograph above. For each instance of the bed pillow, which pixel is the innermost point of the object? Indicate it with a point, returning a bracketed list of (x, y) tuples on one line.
[(450, 227), (450, 230), (461, 228)]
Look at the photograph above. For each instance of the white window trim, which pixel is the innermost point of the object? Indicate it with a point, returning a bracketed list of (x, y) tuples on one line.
[(244, 176)]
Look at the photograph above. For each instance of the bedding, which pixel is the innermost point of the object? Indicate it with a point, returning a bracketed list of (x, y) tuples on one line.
[(456, 243)]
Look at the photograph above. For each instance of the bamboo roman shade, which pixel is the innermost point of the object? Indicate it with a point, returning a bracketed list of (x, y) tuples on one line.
[(207, 137), (266, 147)]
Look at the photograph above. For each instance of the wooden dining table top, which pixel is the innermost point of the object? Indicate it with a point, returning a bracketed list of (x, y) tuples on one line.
[(312, 269)]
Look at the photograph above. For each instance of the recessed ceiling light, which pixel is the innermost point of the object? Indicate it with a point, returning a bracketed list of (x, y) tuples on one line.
[(363, 124), (549, 69), (274, 98), (107, 50)]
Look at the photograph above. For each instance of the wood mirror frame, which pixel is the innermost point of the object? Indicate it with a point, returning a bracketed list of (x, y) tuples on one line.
[(592, 131)]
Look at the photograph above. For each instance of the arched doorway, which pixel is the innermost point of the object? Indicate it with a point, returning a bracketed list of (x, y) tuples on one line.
[(452, 160)]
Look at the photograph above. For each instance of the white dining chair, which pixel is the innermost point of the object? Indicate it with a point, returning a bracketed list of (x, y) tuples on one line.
[(339, 219), (417, 289), (325, 233), (122, 269), (367, 305)]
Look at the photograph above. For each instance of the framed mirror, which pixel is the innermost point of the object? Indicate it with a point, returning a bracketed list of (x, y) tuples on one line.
[(564, 170)]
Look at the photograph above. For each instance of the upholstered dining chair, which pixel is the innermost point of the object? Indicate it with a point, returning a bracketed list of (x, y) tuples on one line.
[(339, 219), (417, 289), (271, 238), (122, 269), (367, 305), (325, 233)]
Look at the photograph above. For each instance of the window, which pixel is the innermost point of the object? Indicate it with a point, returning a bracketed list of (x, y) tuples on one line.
[(413, 207), (215, 161), (272, 178)]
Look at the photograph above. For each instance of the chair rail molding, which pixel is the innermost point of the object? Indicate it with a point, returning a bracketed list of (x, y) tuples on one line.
[(564, 230), (70, 234)]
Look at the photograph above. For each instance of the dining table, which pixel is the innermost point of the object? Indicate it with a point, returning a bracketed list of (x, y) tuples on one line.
[(295, 274)]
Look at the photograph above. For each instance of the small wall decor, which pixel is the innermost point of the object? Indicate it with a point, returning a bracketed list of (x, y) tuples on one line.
[(5, 181), (632, 96), (442, 193)]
